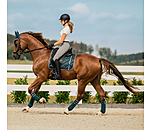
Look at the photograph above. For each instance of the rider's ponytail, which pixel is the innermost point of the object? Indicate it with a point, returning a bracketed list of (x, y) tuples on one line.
[(71, 26)]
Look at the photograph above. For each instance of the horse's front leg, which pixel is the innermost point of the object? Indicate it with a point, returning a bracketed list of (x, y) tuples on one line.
[(33, 90)]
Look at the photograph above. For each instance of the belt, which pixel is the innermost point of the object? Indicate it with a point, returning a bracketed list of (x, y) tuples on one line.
[(66, 41)]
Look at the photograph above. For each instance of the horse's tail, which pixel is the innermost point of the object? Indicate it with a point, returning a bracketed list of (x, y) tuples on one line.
[(110, 67)]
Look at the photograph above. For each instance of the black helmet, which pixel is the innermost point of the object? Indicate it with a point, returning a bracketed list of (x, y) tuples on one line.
[(64, 17)]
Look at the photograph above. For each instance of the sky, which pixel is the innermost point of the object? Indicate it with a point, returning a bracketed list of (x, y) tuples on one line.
[(118, 24)]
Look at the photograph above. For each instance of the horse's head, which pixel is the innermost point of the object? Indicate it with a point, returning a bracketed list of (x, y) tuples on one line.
[(19, 46)]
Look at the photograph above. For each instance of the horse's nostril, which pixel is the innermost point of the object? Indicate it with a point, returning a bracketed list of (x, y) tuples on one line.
[(14, 57)]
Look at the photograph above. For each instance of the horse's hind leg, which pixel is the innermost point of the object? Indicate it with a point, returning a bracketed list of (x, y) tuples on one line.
[(101, 92)]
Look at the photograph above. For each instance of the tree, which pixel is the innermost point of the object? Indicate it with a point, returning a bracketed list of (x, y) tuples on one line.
[(114, 56), (105, 52), (83, 47), (90, 49)]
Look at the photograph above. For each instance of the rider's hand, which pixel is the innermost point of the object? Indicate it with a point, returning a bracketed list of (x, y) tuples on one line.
[(51, 45)]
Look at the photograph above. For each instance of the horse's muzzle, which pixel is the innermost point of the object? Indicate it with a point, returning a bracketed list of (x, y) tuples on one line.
[(16, 57)]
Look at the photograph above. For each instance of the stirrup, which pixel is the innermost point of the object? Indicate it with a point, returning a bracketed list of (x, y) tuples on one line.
[(58, 77), (55, 76)]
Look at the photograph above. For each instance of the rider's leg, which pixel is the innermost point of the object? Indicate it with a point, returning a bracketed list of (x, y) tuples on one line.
[(57, 64), (62, 50)]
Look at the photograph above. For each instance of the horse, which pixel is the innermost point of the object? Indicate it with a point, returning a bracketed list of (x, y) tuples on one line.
[(87, 69)]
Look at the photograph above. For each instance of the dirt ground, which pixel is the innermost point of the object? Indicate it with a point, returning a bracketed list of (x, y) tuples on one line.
[(78, 119)]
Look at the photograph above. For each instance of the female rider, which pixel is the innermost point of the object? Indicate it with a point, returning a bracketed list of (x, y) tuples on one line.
[(64, 42)]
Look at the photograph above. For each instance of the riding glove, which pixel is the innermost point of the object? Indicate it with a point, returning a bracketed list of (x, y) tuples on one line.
[(51, 45)]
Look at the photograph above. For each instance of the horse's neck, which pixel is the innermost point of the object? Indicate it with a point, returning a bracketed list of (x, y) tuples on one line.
[(33, 43)]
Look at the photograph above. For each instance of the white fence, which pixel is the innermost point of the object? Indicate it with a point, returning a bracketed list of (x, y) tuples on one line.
[(11, 67), (72, 88)]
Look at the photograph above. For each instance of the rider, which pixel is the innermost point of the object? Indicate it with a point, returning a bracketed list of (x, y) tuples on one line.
[(64, 41)]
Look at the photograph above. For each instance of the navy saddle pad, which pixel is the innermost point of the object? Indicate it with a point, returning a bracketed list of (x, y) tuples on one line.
[(68, 62)]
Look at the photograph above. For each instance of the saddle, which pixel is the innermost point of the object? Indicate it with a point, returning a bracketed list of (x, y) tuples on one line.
[(68, 53), (66, 61)]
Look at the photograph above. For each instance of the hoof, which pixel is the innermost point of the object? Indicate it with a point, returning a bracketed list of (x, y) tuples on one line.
[(66, 112), (25, 110), (100, 114), (43, 100)]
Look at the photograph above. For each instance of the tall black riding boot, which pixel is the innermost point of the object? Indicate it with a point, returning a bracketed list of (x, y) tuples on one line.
[(58, 76)]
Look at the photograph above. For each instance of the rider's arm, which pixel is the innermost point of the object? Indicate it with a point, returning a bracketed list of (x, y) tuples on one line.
[(62, 39)]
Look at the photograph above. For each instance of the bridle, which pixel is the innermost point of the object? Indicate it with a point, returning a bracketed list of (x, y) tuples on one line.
[(18, 52)]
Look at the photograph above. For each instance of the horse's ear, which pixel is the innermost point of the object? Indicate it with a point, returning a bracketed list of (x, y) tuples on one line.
[(16, 33)]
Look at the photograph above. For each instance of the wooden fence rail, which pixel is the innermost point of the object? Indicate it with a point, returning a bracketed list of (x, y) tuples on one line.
[(11, 74), (72, 88)]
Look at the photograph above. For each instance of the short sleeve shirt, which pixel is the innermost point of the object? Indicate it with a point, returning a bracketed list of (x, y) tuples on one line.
[(65, 30)]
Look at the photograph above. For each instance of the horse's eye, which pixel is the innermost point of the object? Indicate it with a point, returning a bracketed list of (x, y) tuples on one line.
[(16, 41)]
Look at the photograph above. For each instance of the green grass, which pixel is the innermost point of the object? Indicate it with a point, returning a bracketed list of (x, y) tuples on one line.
[(132, 73), (20, 71), (24, 62)]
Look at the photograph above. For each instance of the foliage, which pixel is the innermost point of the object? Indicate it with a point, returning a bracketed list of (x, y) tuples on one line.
[(136, 82), (62, 96), (46, 83), (66, 82), (98, 97), (139, 98), (90, 49), (130, 57), (114, 83), (105, 52), (83, 48), (120, 97), (78, 47), (118, 82), (21, 81), (87, 96), (103, 82), (20, 96), (44, 94)]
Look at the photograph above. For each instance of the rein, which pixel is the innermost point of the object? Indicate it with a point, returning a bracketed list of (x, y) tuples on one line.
[(34, 50)]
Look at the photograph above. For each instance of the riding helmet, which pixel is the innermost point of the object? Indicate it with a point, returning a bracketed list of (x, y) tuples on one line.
[(64, 17)]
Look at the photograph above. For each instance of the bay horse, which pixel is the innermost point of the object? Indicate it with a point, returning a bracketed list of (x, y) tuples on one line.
[(87, 69)]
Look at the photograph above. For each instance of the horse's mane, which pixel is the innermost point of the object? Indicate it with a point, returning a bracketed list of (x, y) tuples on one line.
[(38, 36)]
